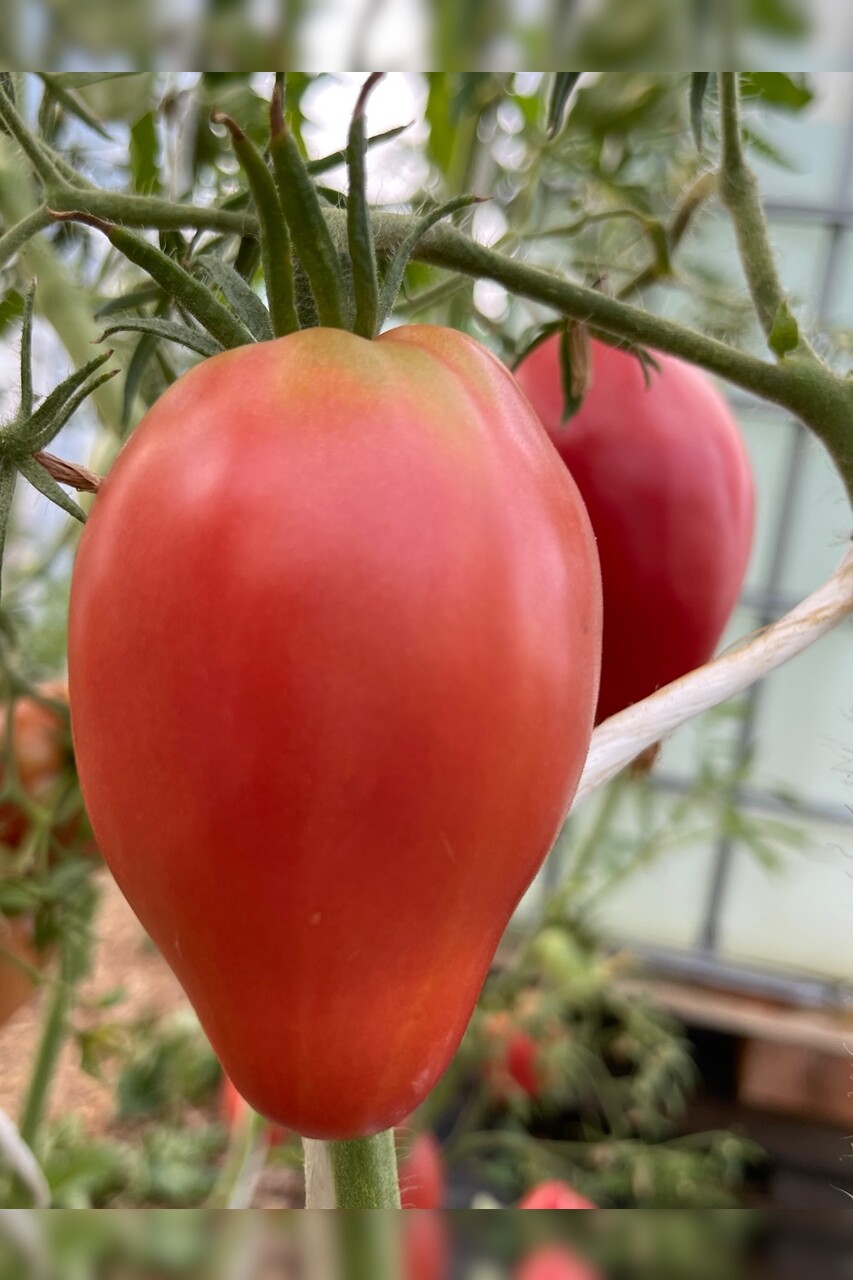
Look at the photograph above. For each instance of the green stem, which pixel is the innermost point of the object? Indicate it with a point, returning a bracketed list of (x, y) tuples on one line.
[(363, 1172), (740, 194), (367, 1247), (47, 1056), (149, 211), (31, 146), (16, 237)]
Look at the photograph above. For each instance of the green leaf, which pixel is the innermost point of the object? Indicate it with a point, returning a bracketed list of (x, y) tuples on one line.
[(38, 429), (331, 161), (11, 308), (786, 18), (80, 79), (139, 361), (777, 88), (241, 296), (565, 83), (184, 335), (144, 150), (69, 102), (698, 88), (45, 483)]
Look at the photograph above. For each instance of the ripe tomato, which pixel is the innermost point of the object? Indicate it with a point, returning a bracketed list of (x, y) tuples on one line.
[(554, 1195), (233, 1108), (42, 752), (325, 728), (511, 1063), (426, 1246), (554, 1262), (664, 473), (16, 943), (421, 1174)]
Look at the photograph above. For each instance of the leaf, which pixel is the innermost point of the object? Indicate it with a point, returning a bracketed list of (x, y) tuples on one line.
[(186, 336), (72, 104), (777, 88), (11, 308), (144, 149), (243, 300), (45, 483), (786, 18), (81, 79), (565, 83), (698, 88)]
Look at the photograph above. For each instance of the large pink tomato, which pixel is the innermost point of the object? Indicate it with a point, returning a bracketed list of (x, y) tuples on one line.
[(666, 480), (334, 654)]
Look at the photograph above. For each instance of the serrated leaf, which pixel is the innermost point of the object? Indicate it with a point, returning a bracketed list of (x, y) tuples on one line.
[(81, 79), (244, 301), (144, 147), (777, 88), (698, 88), (186, 336), (45, 483), (565, 83)]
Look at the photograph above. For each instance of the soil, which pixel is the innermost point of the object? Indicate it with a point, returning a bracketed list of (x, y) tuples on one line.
[(125, 959)]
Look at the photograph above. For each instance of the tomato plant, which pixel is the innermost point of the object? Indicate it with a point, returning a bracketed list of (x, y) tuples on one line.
[(354, 720), (665, 476)]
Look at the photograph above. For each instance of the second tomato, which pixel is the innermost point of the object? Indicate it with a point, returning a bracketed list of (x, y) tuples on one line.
[(665, 476)]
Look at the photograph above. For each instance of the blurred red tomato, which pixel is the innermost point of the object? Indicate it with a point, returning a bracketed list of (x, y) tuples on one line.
[(666, 480), (426, 1246), (41, 742), (554, 1262), (554, 1195), (233, 1107), (422, 1174)]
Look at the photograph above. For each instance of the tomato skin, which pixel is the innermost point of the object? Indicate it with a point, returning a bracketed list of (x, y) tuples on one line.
[(554, 1195), (666, 479), (554, 1262), (421, 1173), (324, 732)]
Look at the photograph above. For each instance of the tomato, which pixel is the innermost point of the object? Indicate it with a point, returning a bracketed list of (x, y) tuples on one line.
[(16, 943), (426, 1246), (233, 1108), (554, 1262), (334, 650), (422, 1174), (512, 1060), (41, 745), (554, 1195), (664, 473)]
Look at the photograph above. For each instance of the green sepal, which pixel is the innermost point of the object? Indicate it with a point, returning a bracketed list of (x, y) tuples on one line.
[(243, 300), (365, 281), (182, 334), (45, 483), (303, 212)]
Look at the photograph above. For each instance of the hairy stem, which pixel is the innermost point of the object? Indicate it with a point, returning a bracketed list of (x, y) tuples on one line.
[(740, 194), (356, 1174)]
